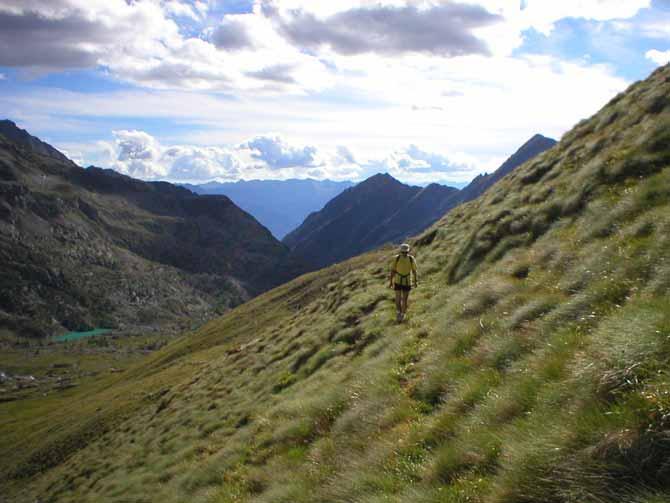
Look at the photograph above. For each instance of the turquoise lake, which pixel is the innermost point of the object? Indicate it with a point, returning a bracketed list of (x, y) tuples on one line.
[(73, 336)]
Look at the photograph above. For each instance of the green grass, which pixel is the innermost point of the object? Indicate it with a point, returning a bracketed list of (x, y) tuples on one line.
[(533, 367)]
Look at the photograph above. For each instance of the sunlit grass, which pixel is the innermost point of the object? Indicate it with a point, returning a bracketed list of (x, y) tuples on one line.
[(533, 367)]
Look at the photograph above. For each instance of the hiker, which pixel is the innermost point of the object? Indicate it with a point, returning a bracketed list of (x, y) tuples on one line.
[(403, 266)]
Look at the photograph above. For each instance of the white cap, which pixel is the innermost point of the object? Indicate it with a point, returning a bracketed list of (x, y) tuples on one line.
[(404, 248)]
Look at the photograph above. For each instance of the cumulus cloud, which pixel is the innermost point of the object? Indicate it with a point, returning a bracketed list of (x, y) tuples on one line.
[(191, 65), (65, 51), (446, 30), (484, 105), (74, 156), (232, 34), (658, 57), (276, 153), (505, 101), (59, 34), (415, 165), (140, 155), (344, 155), (201, 163), (166, 44), (289, 46)]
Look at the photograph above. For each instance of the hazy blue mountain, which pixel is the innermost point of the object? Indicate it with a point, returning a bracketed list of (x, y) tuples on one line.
[(280, 205)]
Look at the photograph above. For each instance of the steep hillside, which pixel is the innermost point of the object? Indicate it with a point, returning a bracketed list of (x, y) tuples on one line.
[(378, 211), (533, 368), (85, 248), (280, 205)]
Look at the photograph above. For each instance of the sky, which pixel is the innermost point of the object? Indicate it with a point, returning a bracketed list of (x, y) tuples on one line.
[(426, 90)]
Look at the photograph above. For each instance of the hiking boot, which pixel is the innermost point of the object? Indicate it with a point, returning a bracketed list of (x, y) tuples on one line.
[(398, 317)]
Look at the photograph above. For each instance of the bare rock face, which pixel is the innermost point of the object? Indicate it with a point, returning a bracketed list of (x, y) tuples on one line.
[(84, 248)]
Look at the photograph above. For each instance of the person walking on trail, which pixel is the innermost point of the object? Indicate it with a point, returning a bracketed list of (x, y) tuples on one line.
[(403, 266)]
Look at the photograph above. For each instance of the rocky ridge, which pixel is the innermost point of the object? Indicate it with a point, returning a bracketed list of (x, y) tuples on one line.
[(381, 209)]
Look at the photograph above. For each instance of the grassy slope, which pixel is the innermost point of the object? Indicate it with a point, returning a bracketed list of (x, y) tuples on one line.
[(534, 367)]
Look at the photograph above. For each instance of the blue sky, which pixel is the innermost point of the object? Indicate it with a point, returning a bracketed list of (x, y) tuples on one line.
[(427, 90)]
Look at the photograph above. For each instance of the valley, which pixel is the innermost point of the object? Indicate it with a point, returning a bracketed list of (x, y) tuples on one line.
[(91, 248), (533, 367), (280, 205)]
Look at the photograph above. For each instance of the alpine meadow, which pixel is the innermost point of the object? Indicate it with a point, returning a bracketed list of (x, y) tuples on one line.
[(533, 366)]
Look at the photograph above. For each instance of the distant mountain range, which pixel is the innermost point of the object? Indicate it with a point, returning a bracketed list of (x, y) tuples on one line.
[(280, 205), (381, 209), (362, 217), (83, 248), (533, 367)]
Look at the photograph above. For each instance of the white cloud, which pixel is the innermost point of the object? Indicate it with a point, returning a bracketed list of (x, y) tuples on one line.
[(140, 155), (485, 109), (202, 6), (3, 76), (276, 153), (182, 9), (232, 34), (356, 105), (658, 57), (414, 165), (201, 163), (501, 38), (141, 42), (45, 35), (445, 30), (73, 155)]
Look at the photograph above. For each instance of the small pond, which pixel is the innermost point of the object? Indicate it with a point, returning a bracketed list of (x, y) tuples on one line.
[(73, 336)]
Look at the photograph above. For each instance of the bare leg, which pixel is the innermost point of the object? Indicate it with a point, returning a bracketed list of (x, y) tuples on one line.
[(398, 301), (405, 298)]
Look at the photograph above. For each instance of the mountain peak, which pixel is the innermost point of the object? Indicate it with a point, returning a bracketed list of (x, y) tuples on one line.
[(537, 142), (379, 181), (380, 177), (25, 140)]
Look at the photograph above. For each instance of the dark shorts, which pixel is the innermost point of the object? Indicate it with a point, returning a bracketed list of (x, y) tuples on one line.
[(401, 288)]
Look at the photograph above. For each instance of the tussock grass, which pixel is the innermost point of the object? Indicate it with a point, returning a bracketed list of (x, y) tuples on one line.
[(533, 367)]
